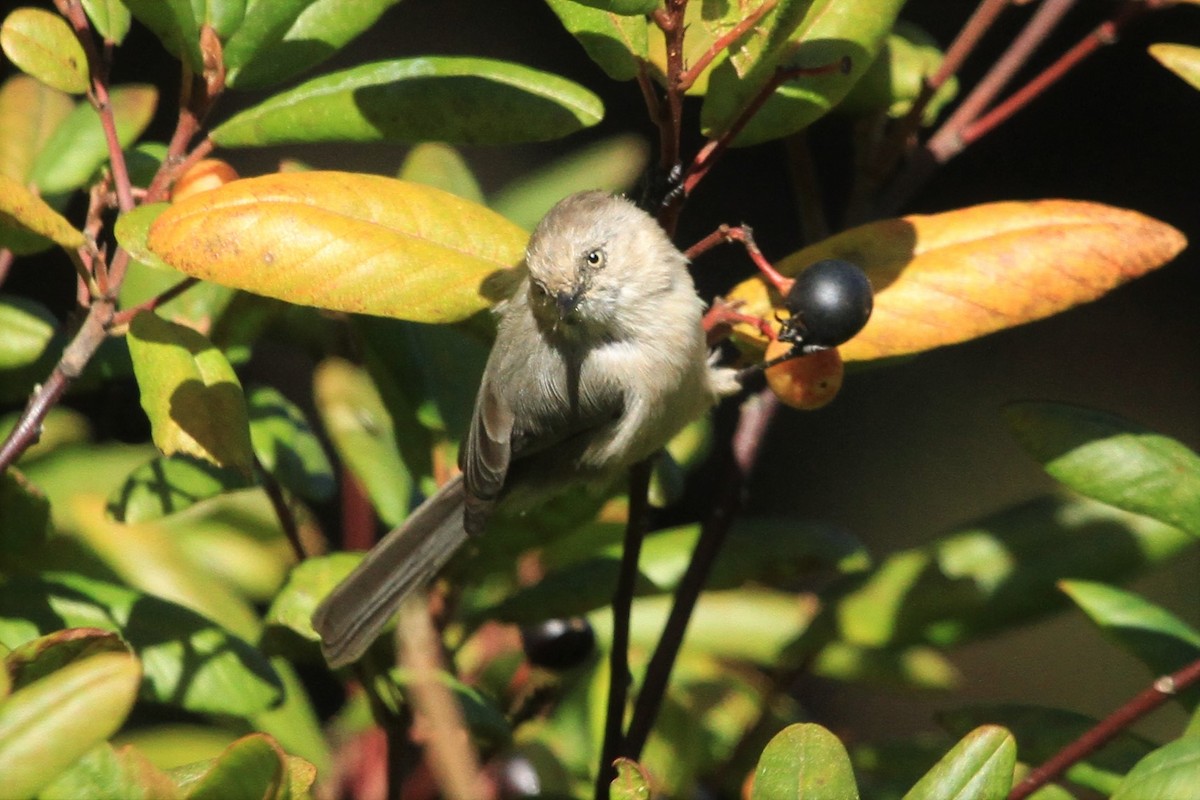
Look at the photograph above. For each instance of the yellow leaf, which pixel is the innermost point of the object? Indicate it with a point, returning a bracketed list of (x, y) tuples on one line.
[(347, 242), (24, 209), (946, 278)]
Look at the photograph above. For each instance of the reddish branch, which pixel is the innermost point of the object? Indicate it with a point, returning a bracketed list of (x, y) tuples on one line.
[(1161, 691)]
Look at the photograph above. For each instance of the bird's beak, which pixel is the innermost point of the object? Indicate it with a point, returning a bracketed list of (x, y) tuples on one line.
[(567, 302)]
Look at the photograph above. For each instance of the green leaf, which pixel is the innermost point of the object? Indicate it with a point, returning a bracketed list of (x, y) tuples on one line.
[(418, 253), (613, 164), (280, 39), (252, 767), (1042, 732), (361, 431), (286, 446), (294, 723), (24, 517), (175, 24), (627, 7), (915, 666), (895, 78), (190, 394), (133, 228), (999, 572), (980, 766), (486, 722), (804, 761), (831, 30), (1182, 59), (47, 725), (631, 783), (61, 427), (26, 328), (306, 587), (188, 661), (111, 18), (614, 42), (27, 221), (442, 167), (168, 485), (1112, 460), (77, 148), (47, 654), (40, 43), (436, 98), (106, 772), (1171, 771), (1158, 638), (30, 111)]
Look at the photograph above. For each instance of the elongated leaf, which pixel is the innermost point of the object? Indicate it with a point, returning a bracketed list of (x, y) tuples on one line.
[(188, 661), (47, 654), (439, 98), (804, 762), (348, 242), (77, 148), (1112, 460), (111, 18), (168, 485), (627, 7), (1042, 732), (278, 40), (107, 772), (48, 724), (306, 587), (1159, 639), (41, 43), (30, 111), (294, 723), (1171, 771), (442, 167), (979, 766), (946, 278), (613, 41), (362, 433), (253, 766), (830, 32), (1182, 59), (1000, 571), (613, 164), (176, 25), (190, 393), (286, 446), (908, 57), (917, 665), (132, 230), (22, 211), (26, 328)]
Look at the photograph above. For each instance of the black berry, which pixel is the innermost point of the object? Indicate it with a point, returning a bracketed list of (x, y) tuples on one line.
[(558, 643), (830, 301)]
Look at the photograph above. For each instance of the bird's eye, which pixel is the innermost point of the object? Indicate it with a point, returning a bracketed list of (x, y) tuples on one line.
[(594, 258)]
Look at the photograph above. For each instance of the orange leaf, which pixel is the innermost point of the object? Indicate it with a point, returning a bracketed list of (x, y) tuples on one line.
[(945, 278), (345, 241)]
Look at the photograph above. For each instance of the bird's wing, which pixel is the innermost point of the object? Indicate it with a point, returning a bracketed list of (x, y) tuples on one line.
[(486, 455)]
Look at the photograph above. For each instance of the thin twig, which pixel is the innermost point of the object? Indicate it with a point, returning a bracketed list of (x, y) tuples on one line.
[(756, 415), (618, 657), (126, 315), (283, 510), (1144, 702)]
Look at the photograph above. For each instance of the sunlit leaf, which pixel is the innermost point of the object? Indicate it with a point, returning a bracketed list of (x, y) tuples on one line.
[(286, 446), (40, 43), (361, 430), (23, 212), (253, 766), (306, 587), (804, 762), (945, 278), (979, 766), (190, 393), (47, 725), (294, 723), (612, 164), (26, 328), (917, 665), (1171, 771), (631, 783), (1182, 59), (830, 32), (1112, 460), (111, 18), (189, 662), (176, 25), (61, 427), (132, 230), (896, 77), (30, 112), (442, 167), (44, 655), (168, 485), (108, 772), (348, 242), (280, 39), (77, 147), (613, 41), (437, 98)]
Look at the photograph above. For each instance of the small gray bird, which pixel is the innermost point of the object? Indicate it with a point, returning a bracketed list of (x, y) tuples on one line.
[(599, 360)]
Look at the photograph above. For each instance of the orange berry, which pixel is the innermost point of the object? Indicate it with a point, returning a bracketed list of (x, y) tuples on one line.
[(202, 177), (807, 382)]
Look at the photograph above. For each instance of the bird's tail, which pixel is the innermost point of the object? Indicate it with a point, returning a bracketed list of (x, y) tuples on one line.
[(358, 608)]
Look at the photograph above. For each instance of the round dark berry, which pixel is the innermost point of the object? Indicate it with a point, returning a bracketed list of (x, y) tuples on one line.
[(830, 301), (558, 643)]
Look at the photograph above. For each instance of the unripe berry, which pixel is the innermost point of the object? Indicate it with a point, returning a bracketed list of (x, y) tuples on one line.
[(807, 382)]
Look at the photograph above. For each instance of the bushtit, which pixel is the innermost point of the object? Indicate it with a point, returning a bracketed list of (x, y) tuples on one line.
[(599, 360)]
